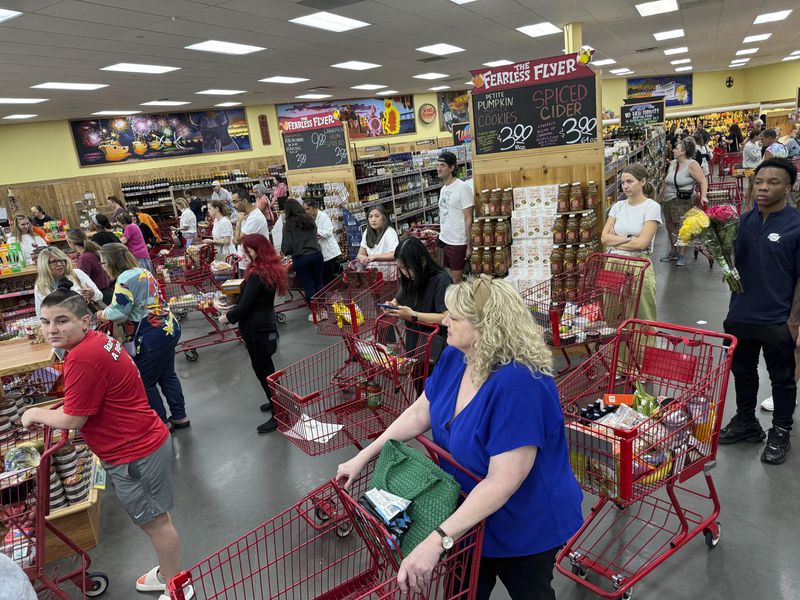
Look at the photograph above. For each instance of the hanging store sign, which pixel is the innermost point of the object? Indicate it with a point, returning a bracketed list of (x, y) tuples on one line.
[(642, 113)]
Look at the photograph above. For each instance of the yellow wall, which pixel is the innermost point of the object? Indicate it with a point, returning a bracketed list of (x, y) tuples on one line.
[(758, 84)]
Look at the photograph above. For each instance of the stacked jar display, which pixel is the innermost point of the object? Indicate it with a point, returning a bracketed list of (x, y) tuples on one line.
[(490, 235)]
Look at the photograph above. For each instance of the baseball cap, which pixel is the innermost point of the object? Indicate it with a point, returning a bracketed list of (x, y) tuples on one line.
[(449, 158), (216, 182)]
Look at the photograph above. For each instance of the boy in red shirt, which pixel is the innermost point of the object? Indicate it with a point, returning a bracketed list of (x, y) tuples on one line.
[(105, 398)]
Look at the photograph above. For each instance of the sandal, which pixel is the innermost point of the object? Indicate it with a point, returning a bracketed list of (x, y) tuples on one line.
[(150, 582)]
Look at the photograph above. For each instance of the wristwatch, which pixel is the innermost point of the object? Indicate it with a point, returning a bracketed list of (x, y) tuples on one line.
[(447, 541), (414, 316)]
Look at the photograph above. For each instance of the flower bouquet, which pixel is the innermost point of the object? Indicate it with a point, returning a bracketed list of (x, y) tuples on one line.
[(715, 229)]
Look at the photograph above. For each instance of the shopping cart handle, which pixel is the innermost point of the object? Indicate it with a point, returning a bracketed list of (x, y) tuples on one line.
[(440, 453)]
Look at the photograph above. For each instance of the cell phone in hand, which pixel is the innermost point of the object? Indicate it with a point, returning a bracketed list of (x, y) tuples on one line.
[(386, 306)]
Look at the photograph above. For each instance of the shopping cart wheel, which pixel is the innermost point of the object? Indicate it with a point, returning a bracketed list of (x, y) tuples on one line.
[(321, 514), (344, 529), (580, 571), (99, 583), (180, 314), (281, 317), (627, 595), (712, 541), (191, 355)]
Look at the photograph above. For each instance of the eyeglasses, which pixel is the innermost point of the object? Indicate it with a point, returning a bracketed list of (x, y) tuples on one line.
[(57, 261)]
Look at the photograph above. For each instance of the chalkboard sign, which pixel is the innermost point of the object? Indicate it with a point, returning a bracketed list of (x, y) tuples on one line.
[(307, 145), (642, 113), (534, 104)]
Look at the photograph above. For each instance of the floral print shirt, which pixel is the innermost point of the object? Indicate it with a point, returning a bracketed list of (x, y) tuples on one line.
[(137, 299)]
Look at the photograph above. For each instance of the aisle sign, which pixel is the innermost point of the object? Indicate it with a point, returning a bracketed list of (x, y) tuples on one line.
[(534, 104), (642, 113), (317, 141)]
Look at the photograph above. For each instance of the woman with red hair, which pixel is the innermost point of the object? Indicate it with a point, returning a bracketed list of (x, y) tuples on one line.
[(255, 312)]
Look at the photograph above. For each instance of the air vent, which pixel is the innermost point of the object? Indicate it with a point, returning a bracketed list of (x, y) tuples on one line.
[(645, 50), (327, 5), (431, 59), (319, 87)]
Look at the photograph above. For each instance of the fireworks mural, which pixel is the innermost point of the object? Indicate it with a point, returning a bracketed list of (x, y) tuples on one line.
[(168, 135), (366, 117)]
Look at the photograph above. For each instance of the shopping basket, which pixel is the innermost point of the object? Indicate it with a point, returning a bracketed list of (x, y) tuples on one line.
[(352, 390), (348, 304), (631, 530), (327, 547), (583, 307), (24, 504)]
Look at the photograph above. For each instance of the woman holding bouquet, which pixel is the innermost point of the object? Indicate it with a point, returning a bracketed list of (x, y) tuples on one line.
[(683, 175), (631, 227)]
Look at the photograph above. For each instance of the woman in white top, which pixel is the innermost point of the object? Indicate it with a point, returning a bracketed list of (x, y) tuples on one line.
[(222, 232), (51, 265), (751, 157), (28, 240), (631, 228), (702, 155), (188, 222), (379, 239)]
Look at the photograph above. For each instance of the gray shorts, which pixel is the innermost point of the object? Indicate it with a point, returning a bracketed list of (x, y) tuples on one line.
[(144, 486)]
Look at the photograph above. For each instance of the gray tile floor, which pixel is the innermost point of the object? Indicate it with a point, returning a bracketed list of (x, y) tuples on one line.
[(228, 479)]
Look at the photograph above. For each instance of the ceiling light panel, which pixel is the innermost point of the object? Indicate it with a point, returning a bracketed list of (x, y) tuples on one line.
[(791, 57), (681, 69), (439, 88), (140, 68), (22, 100), (20, 116), (115, 113), (770, 17), (747, 51), (539, 29), (5, 15), (283, 79), (440, 49), (313, 96), (220, 92), (55, 85), (750, 39), (329, 22), (368, 86), (680, 61), (228, 104), (387, 93), (647, 9), (679, 50), (165, 103), (430, 76), (669, 35), (604, 62), (461, 1), (355, 65), (499, 63), (795, 53), (739, 60), (224, 47)]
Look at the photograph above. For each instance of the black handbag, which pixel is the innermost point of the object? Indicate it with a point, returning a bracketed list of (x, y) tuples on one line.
[(683, 195)]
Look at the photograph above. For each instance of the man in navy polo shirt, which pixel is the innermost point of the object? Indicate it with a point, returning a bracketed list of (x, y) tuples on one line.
[(767, 254)]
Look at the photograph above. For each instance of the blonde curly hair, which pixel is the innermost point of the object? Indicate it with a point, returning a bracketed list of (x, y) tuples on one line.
[(506, 331)]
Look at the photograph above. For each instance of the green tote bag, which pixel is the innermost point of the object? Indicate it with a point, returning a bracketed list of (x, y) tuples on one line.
[(410, 474)]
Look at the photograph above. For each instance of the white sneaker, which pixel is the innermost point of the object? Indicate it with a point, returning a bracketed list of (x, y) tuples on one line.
[(311, 318), (188, 594), (768, 404)]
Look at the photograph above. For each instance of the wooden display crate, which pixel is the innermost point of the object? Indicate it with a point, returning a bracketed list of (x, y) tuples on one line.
[(80, 522)]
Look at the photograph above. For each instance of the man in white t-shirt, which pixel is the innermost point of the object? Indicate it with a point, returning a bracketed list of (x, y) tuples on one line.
[(327, 240), (456, 204), (251, 220)]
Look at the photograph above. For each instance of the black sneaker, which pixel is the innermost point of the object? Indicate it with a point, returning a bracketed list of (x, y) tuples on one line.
[(267, 406), (737, 431), (777, 447), (268, 427)]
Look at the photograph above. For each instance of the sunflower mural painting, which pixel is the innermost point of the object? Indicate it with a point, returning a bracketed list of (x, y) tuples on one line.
[(367, 117)]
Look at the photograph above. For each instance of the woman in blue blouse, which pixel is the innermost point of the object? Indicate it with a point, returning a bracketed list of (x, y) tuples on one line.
[(492, 403), (155, 331)]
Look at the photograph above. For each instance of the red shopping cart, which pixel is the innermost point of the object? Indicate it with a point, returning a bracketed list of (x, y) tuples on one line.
[(354, 389), (427, 234), (631, 530), (582, 307), (327, 547), (348, 304), (24, 506), (295, 300)]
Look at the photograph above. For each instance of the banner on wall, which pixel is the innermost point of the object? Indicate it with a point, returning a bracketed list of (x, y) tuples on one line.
[(462, 133), (676, 89), (162, 135), (642, 113), (453, 108), (364, 118)]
